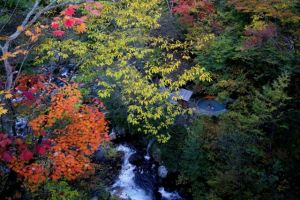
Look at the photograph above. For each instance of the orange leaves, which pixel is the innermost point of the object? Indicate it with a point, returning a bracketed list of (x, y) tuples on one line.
[(81, 28), (34, 83), (35, 32), (20, 28), (68, 165), (75, 141), (73, 130), (34, 175), (18, 157), (8, 55), (3, 37)]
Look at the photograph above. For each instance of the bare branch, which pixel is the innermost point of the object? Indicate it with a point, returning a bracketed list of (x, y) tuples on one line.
[(51, 7), (169, 7), (20, 69), (31, 17), (24, 23)]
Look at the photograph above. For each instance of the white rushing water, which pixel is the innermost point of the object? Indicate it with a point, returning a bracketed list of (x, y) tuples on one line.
[(147, 156), (125, 186), (169, 195)]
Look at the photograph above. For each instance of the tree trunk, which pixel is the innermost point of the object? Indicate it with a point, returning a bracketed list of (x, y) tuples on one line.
[(8, 120), (9, 75), (8, 68)]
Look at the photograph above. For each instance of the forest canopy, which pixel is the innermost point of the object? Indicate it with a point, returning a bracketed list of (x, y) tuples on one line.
[(206, 92)]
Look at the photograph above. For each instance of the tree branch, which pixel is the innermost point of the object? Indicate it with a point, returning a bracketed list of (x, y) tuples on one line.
[(31, 17), (51, 7), (24, 23)]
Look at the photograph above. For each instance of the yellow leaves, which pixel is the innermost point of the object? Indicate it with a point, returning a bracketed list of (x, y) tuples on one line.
[(28, 33), (5, 95), (227, 83), (37, 30), (20, 28), (8, 96), (185, 57), (280, 9), (8, 55), (3, 37), (2, 110), (106, 91), (257, 23), (113, 56), (81, 28), (201, 41), (34, 33)]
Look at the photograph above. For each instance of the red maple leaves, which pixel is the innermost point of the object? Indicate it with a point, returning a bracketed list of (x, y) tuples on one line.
[(29, 88), (26, 155), (55, 25), (58, 33), (4, 140), (191, 10), (42, 148), (256, 37), (70, 11), (67, 20), (7, 157), (16, 148)]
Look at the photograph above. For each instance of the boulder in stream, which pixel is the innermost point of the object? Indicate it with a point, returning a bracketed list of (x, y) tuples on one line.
[(162, 171), (100, 154), (117, 132), (136, 159)]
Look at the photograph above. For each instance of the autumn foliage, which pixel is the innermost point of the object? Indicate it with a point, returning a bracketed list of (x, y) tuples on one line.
[(192, 10), (63, 139), (32, 89), (69, 20), (23, 157), (83, 131), (280, 9)]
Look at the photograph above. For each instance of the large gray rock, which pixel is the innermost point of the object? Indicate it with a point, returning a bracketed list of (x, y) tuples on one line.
[(117, 132), (100, 154), (162, 171), (113, 134), (136, 159)]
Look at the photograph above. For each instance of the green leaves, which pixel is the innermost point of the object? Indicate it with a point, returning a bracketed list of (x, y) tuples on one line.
[(61, 190), (119, 54)]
